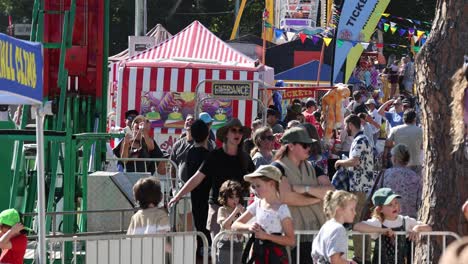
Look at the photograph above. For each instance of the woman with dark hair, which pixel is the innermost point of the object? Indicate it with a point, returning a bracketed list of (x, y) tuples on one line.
[(262, 153), (403, 181), (227, 163), (302, 187)]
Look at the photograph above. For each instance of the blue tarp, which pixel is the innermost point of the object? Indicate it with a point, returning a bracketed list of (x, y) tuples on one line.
[(21, 76), (308, 72)]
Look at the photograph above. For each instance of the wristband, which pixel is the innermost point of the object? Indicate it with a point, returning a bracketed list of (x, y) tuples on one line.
[(307, 189)]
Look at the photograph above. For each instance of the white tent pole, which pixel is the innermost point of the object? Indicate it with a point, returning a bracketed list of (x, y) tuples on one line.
[(41, 207)]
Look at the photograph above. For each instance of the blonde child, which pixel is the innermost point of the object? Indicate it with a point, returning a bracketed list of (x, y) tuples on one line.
[(230, 199), (149, 219), (331, 243), (386, 219), (273, 227)]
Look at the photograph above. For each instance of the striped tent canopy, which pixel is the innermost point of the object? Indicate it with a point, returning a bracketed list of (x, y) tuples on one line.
[(179, 65), (195, 43)]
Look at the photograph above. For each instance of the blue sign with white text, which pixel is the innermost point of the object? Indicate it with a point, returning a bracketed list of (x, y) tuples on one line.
[(21, 71)]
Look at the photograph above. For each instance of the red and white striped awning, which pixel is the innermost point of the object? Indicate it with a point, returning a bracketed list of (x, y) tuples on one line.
[(195, 43), (133, 81)]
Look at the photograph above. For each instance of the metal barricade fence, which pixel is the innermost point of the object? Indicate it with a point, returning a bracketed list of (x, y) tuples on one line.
[(170, 248), (425, 237), (135, 168)]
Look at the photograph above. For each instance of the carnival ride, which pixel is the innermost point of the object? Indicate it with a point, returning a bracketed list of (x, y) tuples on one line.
[(74, 36)]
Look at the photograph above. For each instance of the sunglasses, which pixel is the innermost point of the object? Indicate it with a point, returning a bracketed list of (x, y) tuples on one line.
[(304, 145), (237, 130), (269, 138)]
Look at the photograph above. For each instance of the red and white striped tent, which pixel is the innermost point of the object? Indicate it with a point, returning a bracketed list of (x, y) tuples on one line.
[(179, 64)]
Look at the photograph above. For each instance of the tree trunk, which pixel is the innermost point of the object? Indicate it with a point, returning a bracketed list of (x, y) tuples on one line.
[(440, 82)]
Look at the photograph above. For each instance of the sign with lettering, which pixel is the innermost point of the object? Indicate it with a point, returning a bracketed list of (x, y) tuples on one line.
[(233, 90), (21, 64), (355, 19)]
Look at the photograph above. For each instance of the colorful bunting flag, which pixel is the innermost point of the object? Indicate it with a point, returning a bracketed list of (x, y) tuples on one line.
[(386, 14), (278, 33), (327, 41), (420, 33), (393, 29), (365, 45), (401, 31), (411, 31), (386, 27), (416, 49), (339, 43), (392, 24), (303, 37), (315, 39)]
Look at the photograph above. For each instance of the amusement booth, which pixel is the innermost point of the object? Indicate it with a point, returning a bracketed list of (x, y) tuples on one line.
[(161, 83)]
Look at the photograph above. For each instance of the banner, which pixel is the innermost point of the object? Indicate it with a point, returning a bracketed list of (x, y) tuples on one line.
[(20, 71), (354, 17)]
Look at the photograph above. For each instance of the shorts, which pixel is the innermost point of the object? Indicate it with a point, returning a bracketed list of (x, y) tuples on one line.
[(393, 78)]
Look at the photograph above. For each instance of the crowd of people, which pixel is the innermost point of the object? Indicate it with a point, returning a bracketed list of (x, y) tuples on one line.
[(295, 179)]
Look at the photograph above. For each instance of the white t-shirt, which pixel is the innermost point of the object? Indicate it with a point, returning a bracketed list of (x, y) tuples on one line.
[(409, 221), (411, 136), (377, 118), (331, 239), (269, 219)]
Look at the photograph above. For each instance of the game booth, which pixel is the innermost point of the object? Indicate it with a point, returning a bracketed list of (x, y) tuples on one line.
[(161, 83)]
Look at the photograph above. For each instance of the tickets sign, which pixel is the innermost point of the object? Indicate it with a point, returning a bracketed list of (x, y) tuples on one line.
[(21, 65)]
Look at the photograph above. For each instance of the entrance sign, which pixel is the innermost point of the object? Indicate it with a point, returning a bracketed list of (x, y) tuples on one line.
[(232, 90), (21, 66)]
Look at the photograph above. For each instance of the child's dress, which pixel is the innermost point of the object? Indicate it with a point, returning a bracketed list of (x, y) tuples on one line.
[(224, 245), (265, 251), (387, 247)]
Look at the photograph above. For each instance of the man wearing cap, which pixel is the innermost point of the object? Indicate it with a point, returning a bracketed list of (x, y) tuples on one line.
[(206, 117), (361, 164), (226, 163), (393, 117), (13, 240), (372, 111), (412, 136)]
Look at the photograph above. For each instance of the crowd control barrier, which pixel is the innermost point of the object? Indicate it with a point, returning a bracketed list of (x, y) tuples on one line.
[(426, 238)]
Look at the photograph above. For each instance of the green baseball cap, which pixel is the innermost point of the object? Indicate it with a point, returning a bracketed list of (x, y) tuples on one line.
[(296, 135), (384, 196), (10, 217)]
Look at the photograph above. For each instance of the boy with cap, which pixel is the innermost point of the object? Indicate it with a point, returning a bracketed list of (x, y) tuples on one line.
[(386, 219), (13, 240)]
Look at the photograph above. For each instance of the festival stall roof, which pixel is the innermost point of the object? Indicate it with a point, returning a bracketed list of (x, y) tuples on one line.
[(308, 72), (179, 64), (295, 53), (158, 32)]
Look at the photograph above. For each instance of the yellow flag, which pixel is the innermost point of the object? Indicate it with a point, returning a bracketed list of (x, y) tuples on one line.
[(327, 41), (385, 14), (393, 29), (420, 33)]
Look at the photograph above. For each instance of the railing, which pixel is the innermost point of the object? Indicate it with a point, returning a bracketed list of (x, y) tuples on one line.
[(426, 237), (174, 248)]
